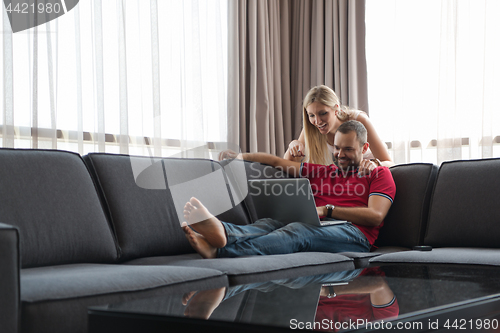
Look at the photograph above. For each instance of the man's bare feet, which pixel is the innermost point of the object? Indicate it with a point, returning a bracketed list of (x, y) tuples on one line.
[(203, 303), (205, 223), (187, 296), (199, 243)]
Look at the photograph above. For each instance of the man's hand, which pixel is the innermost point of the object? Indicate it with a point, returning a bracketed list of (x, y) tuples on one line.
[(322, 211), (228, 154)]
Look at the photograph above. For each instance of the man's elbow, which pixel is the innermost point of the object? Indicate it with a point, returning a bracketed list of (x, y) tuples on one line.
[(377, 218)]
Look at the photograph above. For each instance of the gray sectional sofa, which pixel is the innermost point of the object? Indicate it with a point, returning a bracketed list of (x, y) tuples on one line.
[(77, 232), (463, 220)]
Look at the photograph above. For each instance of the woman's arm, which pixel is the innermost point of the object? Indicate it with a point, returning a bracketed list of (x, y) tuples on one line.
[(378, 148), (295, 151)]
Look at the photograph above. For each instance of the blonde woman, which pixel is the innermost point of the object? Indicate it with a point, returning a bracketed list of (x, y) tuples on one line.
[(322, 115)]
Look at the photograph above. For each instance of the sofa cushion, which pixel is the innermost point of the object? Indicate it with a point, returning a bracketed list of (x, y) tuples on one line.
[(406, 221), (50, 197), (476, 256), (251, 269), (55, 299), (362, 259), (82, 280), (145, 197), (464, 210)]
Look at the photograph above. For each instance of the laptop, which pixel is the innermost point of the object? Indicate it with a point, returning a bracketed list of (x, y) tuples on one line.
[(286, 200)]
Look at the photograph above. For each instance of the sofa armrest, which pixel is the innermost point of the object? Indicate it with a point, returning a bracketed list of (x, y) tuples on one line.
[(9, 279)]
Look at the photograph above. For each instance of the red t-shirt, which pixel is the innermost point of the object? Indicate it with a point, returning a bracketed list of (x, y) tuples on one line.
[(331, 185), (352, 307)]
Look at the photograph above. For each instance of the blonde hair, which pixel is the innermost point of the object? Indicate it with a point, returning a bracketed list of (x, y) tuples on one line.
[(316, 144)]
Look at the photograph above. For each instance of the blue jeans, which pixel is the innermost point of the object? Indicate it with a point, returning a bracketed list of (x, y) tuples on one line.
[(268, 236)]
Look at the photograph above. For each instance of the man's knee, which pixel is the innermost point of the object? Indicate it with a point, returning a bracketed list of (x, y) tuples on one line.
[(296, 226), (269, 224)]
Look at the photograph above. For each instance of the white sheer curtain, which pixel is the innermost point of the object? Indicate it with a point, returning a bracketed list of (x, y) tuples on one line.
[(433, 77), (134, 77)]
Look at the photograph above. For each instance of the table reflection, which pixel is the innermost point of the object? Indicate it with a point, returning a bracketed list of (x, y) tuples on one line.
[(328, 302), (414, 294), (365, 299)]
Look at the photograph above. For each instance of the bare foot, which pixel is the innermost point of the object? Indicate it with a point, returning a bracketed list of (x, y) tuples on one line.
[(199, 243), (187, 296), (203, 303), (205, 223)]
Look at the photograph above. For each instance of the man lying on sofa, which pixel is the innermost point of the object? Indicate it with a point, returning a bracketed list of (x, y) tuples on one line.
[(342, 194)]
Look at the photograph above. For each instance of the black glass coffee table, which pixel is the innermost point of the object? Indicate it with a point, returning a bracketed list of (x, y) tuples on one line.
[(412, 298)]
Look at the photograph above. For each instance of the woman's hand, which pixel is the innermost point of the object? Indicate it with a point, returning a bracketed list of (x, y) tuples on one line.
[(296, 148), (367, 166)]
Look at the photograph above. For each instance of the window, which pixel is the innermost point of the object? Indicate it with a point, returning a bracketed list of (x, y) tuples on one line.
[(433, 77), (118, 76)]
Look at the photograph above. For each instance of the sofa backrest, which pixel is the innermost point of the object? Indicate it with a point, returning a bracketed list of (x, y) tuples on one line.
[(144, 198), (464, 209), (256, 170), (406, 222), (50, 197)]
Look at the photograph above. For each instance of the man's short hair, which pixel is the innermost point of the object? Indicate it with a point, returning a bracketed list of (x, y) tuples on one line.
[(356, 126)]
